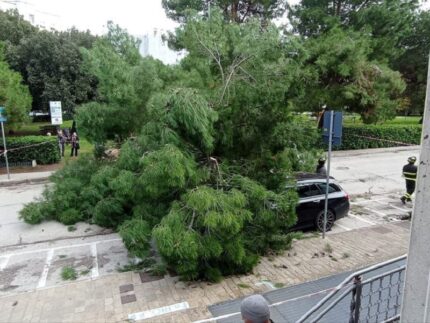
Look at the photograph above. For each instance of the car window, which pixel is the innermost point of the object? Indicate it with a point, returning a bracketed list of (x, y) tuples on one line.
[(331, 189), (308, 190)]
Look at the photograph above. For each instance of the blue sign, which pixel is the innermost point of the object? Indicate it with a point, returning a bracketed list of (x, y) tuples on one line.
[(337, 127), (2, 114)]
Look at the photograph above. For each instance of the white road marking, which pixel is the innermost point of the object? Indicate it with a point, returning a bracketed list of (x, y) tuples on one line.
[(44, 276), (266, 283), (158, 311), (368, 201), (4, 263), (375, 211), (342, 227), (361, 219), (95, 269), (394, 207), (59, 248)]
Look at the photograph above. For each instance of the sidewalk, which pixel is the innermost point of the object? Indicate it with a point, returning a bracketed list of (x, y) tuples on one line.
[(113, 298), (21, 178)]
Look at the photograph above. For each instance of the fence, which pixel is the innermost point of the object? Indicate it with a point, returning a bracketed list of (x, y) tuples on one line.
[(360, 298)]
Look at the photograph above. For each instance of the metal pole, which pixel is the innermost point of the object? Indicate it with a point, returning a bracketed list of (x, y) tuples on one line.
[(5, 150), (416, 297), (330, 138)]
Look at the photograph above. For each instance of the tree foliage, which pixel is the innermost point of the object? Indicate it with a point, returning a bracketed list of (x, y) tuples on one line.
[(51, 66), (340, 61), (49, 62), (394, 32), (233, 10), (207, 147), (14, 95)]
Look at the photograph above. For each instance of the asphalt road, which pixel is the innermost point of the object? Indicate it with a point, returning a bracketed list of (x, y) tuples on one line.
[(32, 256)]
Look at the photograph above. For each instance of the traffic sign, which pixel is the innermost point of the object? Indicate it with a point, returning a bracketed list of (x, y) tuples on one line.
[(56, 113), (337, 128), (2, 114)]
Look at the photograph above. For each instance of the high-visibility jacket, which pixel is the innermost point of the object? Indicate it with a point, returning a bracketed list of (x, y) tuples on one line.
[(410, 172)]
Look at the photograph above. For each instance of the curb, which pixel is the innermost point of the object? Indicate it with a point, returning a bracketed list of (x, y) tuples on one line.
[(6, 183), (358, 152)]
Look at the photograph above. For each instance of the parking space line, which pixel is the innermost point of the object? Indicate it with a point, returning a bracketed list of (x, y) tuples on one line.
[(95, 269), (375, 211), (361, 219), (4, 263), (368, 201), (342, 227), (395, 207), (61, 247), (44, 276)]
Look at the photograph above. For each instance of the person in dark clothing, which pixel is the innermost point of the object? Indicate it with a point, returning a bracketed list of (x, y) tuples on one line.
[(410, 175), (75, 144), (321, 167)]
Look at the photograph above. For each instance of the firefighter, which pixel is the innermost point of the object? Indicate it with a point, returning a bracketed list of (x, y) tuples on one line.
[(321, 167), (410, 174)]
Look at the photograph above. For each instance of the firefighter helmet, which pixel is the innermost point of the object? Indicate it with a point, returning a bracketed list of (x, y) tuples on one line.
[(412, 159)]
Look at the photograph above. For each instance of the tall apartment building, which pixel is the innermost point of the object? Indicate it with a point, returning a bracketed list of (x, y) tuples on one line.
[(29, 11), (153, 45)]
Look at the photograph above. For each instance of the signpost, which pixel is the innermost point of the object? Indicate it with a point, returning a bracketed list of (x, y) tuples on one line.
[(56, 113), (332, 135), (2, 120)]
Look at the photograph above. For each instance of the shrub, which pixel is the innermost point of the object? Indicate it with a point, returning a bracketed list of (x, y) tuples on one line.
[(136, 235), (43, 149), (369, 136)]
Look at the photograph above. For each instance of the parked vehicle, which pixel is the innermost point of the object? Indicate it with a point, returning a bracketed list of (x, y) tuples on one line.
[(311, 189)]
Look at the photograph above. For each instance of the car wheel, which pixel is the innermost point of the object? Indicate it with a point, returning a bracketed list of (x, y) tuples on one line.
[(320, 220)]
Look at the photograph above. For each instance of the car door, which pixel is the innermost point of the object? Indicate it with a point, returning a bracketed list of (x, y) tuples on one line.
[(310, 203)]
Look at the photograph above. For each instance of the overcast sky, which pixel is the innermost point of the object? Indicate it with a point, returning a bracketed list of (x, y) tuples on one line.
[(137, 16)]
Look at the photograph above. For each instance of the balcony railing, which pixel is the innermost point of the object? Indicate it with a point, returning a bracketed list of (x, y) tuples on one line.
[(362, 298)]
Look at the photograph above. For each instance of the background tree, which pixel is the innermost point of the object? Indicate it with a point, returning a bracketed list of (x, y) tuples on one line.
[(13, 27), (233, 10), (125, 83), (394, 29), (51, 66), (413, 62), (14, 96), (343, 77)]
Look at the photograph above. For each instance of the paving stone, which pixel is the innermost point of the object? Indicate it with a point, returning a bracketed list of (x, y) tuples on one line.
[(126, 288), (128, 299)]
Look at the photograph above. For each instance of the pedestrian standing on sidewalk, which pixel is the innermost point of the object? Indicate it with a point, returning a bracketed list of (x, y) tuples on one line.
[(75, 144), (255, 309), (410, 175), (321, 167)]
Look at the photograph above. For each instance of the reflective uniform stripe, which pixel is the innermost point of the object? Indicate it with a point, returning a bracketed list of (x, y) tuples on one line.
[(410, 176)]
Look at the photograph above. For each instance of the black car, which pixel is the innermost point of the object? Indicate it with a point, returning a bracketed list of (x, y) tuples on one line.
[(311, 189)]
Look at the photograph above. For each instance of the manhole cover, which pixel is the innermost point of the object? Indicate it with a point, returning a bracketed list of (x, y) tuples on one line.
[(147, 277)]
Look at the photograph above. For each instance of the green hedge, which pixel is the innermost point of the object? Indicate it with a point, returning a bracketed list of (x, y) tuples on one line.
[(359, 136), (43, 149)]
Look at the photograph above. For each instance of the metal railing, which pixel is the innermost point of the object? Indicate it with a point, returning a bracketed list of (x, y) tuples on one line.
[(374, 299)]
